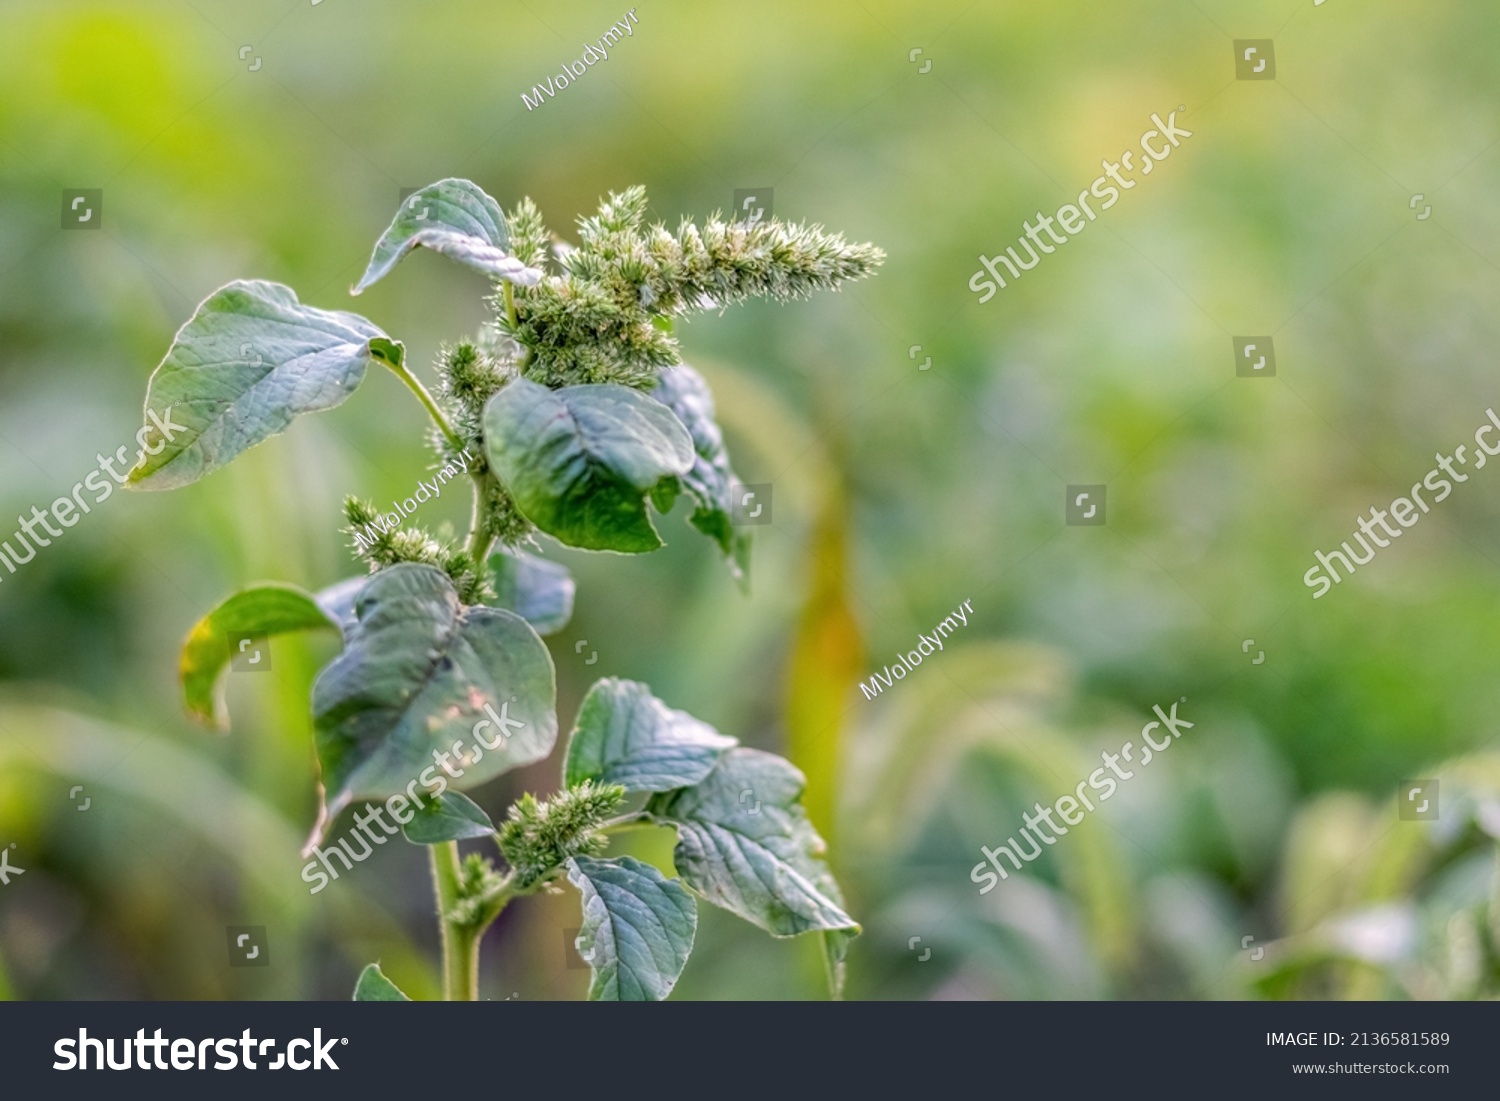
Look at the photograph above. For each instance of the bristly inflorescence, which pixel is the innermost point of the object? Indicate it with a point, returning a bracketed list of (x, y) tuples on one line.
[(468, 376), (467, 379), (477, 879), (606, 316), (388, 547), (539, 837)]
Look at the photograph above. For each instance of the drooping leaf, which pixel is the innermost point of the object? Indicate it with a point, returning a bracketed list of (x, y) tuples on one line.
[(373, 986), (684, 391), (581, 461), (537, 590), (745, 844), (422, 675), (625, 735), (457, 219), (269, 609), (447, 817), (249, 360), (637, 928)]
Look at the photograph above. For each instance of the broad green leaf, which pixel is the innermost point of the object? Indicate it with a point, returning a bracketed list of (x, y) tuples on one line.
[(447, 817), (637, 928), (422, 676), (581, 461), (625, 735), (744, 843), (539, 591), (683, 390), (249, 360), (459, 220), (269, 609), (373, 986)]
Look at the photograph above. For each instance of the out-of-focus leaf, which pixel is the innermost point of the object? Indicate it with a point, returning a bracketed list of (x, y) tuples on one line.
[(637, 928), (191, 797), (625, 735), (456, 218), (373, 986), (268, 609), (992, 703), (421, 673), (1328, 848), (537, 590), (250, 360), (988, 691), (581, 461)]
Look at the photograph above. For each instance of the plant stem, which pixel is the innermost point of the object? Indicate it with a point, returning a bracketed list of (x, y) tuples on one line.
[(460, 942), (480, 540), (510, 315), (510, 304), (626, 821), (416, 387)]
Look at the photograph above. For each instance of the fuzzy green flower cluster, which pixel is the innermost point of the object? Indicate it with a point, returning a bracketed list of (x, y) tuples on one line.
[(467, 378), (538, 838), (408, 544), (478, 882), (607, 316)]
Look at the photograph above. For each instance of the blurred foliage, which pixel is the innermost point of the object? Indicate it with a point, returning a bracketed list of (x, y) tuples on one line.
[(898, 492)]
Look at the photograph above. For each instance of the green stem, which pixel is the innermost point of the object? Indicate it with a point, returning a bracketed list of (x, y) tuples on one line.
[(510, 304), (510, 315), (480, 540), (627, 822), (460, 942), (438, 417)]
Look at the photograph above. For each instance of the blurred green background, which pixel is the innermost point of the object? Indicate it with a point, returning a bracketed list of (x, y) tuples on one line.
[(898, 492)]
